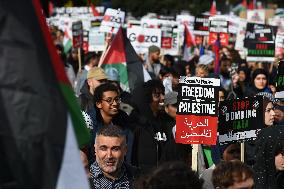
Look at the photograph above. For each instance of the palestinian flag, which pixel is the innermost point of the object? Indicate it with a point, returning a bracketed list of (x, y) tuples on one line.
[(244, 5), (189, 43), (122, 57), (39, 114), (67, 40)]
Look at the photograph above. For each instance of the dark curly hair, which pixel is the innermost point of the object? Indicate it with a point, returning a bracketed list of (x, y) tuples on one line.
[(171, 175), (152, 86), (228, 172), (98, 95)]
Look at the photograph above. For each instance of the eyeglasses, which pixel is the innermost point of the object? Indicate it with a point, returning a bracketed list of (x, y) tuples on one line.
[(111, 100)]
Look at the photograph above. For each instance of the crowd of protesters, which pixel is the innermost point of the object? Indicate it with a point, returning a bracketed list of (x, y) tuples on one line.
[(133, 133)]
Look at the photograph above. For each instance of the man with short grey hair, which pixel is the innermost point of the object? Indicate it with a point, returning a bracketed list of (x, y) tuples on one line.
[(109, 170)]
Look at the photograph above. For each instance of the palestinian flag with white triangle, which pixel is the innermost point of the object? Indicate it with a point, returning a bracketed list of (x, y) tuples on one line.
[(39, 112), (122, 57)]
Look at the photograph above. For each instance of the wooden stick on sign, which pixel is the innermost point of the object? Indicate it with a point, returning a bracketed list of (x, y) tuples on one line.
[(194, 155)]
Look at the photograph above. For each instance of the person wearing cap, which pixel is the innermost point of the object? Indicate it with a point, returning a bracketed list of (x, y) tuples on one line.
[(207, 60), (95, 77), (173, 151), (91, 60), (153, 65)]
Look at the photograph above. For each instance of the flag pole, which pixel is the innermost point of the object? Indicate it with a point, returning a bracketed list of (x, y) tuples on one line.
[(243, 152), (108, 41), (79, 60)]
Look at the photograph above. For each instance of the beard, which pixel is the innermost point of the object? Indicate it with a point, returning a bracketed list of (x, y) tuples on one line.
[(110, 165)]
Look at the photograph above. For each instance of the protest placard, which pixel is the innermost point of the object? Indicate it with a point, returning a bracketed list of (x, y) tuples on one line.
[(201, 25), (197, 110), (96, 39), (142, 38), (77, 34), (260, 42), (241, 33), (240, 119), (187, 20), (112, 20), (256, 16)]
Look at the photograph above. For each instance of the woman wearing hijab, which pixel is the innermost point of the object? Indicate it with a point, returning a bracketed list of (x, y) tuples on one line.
[(259, 83), (269, 156), (268, 116)]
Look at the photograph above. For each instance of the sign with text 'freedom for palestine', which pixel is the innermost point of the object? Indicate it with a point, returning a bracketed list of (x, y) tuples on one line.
[(240, 119), (197, 110)]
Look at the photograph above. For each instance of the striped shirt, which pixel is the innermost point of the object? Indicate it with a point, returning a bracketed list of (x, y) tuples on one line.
[(99, 181)]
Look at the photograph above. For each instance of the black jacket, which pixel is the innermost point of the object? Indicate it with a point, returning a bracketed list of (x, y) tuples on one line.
[(147, 148)]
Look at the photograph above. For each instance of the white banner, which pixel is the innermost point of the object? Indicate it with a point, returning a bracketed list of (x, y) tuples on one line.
[(256, 16), (241, 33), (112, 20), (142, 38), (96, 40)]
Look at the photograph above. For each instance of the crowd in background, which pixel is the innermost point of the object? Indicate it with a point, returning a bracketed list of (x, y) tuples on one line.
[(143, 121)]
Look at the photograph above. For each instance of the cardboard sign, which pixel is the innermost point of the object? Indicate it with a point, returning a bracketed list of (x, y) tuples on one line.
[(259, 40), (142, 38), (201, 25), (112, 20), (241, 33), (76, 10), (280, 77), (240, 119), (218, 24), (256, 16), (85, 44), (175, 43), (261, 51), (197, 110), (166, 41), (77, 33), (187, 20), (279, 41), (96, 39), (150, 23)]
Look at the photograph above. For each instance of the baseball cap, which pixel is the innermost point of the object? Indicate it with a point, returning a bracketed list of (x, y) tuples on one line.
[(97, 73)]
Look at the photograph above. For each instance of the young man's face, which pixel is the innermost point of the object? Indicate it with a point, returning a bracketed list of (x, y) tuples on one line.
[(110, 152), (109, 104), (155, 56)]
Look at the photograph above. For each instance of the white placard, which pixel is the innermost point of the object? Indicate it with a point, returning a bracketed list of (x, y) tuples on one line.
[(142, 38), (256, 16), (96, 40), (112, 20)]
